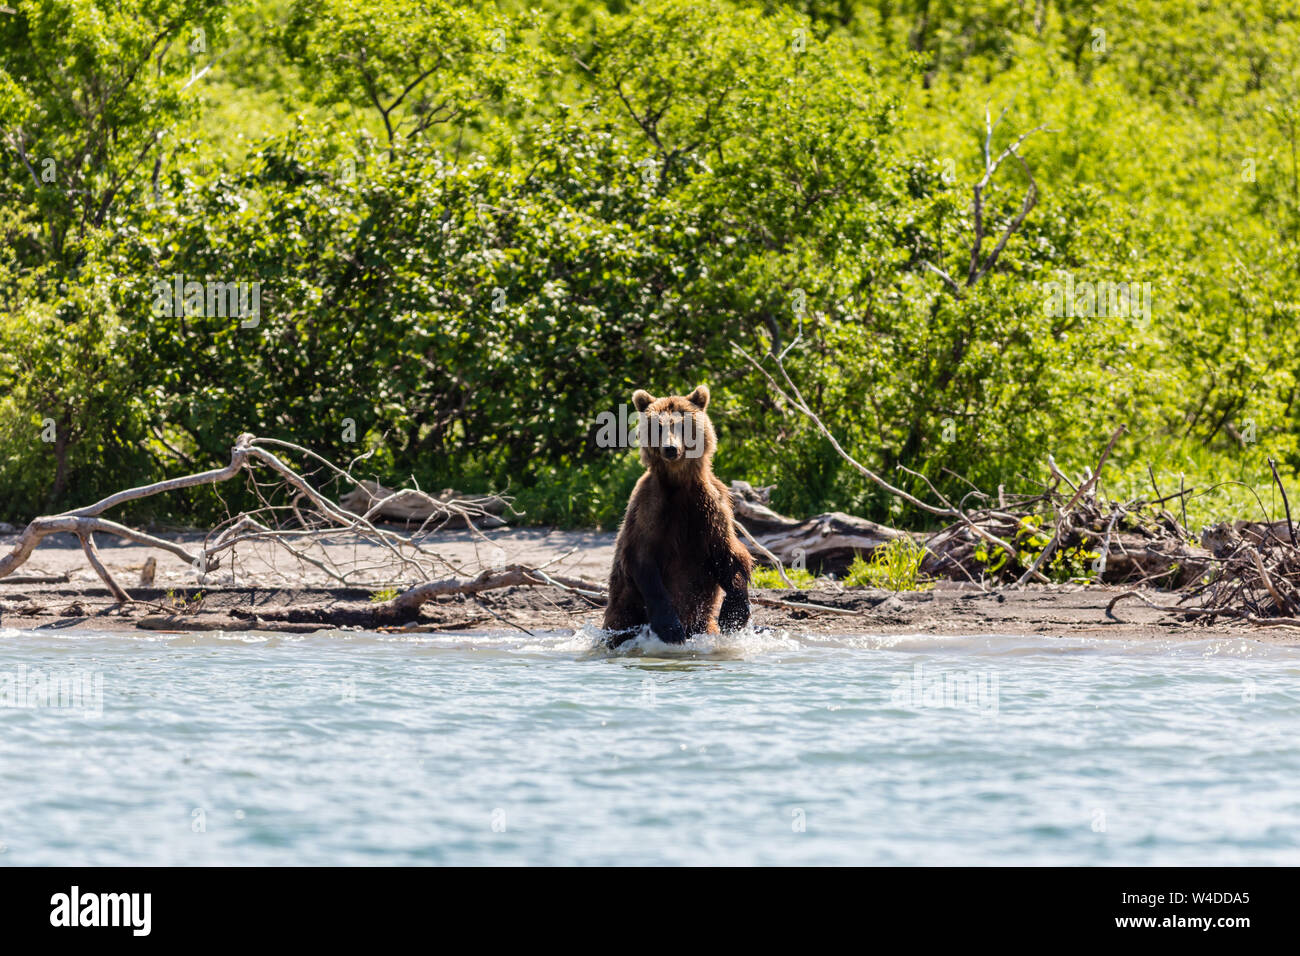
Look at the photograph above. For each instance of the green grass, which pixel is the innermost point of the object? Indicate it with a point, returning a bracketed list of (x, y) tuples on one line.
[(895, 566), (771, 578)]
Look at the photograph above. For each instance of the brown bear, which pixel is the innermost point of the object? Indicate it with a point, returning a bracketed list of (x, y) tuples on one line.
[(678, 564)]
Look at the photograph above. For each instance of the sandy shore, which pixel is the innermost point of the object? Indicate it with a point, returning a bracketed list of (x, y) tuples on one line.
[(270, 590)]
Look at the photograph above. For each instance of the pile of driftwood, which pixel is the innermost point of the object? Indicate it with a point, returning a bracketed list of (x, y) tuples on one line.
[(298, 516), (1259, 571), (1064, 530), (1069, 531), (1019, 539), (1006, 538), (1254, 574)]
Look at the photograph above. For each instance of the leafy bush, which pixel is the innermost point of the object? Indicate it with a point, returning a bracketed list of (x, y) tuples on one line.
[(476, 230)]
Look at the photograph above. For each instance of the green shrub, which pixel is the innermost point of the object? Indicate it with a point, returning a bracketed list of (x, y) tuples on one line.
[(572, 202)]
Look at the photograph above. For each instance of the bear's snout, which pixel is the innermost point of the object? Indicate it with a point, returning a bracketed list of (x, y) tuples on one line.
[(670, 452)]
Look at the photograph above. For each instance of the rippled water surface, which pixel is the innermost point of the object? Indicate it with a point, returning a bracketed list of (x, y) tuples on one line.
[(357, 748)]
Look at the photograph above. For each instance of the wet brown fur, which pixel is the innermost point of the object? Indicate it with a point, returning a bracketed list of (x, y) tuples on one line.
[(678, 564)]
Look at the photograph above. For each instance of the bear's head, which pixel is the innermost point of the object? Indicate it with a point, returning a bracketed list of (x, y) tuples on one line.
[(675, 434)]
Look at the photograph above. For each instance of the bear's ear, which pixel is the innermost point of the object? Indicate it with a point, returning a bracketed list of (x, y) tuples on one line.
[(642, 399), (700, 397)]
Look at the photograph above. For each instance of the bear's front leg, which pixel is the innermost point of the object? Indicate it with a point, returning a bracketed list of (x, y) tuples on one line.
[(734, 613), (664, 619), (668, 627)]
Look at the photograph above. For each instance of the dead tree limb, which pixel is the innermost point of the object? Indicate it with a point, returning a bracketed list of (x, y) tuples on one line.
[(977, 270), (314, 514), (92, 555), (407, 604), (791, 395), (1063, 517), (763, 550), (825, 541)]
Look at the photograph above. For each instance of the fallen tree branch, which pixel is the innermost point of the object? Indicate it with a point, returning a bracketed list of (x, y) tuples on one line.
[(794, 399), (801, 605), (407, 604), (1064, 514), (92, 555), (314, 513), (776, 562), (36, 579)]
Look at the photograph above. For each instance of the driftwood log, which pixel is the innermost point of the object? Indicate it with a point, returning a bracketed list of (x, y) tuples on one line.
[(823, 544), (411, 507)]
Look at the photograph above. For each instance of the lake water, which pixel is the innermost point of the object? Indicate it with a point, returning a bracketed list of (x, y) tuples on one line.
[(355, 748)]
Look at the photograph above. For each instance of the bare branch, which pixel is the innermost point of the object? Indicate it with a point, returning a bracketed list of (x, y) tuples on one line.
[(299, 527)]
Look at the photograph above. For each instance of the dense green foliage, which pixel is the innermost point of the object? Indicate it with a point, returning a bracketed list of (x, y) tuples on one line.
[(475, 229)]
